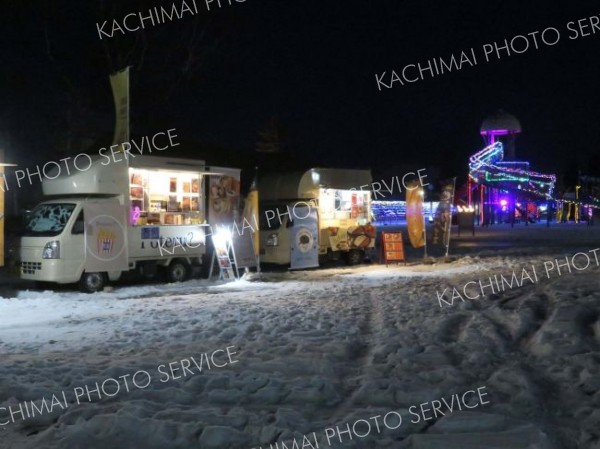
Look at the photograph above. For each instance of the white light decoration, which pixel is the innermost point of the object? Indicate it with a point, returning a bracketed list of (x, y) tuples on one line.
[(222, 237)]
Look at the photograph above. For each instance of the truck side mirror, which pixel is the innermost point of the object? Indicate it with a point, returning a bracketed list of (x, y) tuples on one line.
[(78, 227), (25, 215)]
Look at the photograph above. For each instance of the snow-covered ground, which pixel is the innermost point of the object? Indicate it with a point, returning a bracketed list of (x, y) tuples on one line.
[(320, 349)]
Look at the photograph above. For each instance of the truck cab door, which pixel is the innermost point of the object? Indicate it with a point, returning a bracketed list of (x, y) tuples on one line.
[(73, 247)]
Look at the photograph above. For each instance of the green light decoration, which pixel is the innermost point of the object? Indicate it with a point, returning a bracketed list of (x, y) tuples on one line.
[(487, 166)]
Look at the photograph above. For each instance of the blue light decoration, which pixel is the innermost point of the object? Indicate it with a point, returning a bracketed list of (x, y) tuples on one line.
[(394, 212), (487, 167)]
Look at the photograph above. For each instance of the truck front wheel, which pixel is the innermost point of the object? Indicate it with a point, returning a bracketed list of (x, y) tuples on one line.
[(178, 271), (355, 256), (92, 282)]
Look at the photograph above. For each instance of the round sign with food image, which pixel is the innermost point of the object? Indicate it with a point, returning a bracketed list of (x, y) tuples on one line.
[(304, 240)]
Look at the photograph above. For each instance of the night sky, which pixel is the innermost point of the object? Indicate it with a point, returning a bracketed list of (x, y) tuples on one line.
[(312, 64)]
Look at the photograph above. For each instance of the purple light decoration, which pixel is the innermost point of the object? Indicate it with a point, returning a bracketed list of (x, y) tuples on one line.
[(503, 202), (134, 215), (491, 134), (487, 166)]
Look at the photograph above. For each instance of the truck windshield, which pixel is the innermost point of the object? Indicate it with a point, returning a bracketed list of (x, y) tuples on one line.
[(48, 220)]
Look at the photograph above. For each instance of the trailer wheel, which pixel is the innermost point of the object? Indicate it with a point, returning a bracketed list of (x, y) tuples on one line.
[(178, 271), (92, 282), (355, 257)]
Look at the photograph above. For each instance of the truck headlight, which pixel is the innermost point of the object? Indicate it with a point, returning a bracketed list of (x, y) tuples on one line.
[(273, 240), (51, 250)]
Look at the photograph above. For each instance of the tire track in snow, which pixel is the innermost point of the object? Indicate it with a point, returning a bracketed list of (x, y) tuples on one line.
[(452, 329), (521, 358), (540, 314), (362, 354)]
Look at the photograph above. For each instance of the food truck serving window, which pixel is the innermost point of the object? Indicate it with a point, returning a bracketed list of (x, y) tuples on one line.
[(344, 204), (165, 197)]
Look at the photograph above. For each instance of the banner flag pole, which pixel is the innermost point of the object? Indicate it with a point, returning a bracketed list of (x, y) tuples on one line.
[(449, 224), (425, 226)]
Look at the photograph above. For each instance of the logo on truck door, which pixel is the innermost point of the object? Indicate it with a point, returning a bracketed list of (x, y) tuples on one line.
[(105, 238)]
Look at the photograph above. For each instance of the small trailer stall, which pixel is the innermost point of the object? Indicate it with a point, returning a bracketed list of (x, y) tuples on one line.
[(314, 215), (141, 214)]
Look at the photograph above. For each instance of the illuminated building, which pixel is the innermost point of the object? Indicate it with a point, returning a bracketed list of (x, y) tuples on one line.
[(498, 183)]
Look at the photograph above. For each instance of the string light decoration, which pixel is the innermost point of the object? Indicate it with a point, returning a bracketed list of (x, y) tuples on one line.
[(392, 211), (488, 168)]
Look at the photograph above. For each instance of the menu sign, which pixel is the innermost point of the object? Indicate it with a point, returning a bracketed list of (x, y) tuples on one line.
[(393, 247), (243, 250), (223, 259)]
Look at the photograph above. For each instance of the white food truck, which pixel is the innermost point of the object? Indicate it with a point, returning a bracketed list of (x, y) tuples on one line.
[(144, 214), (315, 215)]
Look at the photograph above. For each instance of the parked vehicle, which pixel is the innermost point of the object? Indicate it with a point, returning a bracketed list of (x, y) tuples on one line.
[(142, 214), (315, 215)]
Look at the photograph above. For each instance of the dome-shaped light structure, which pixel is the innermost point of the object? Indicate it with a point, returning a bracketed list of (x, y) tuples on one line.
[(500, 123), (496, 166), (501, 127)]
